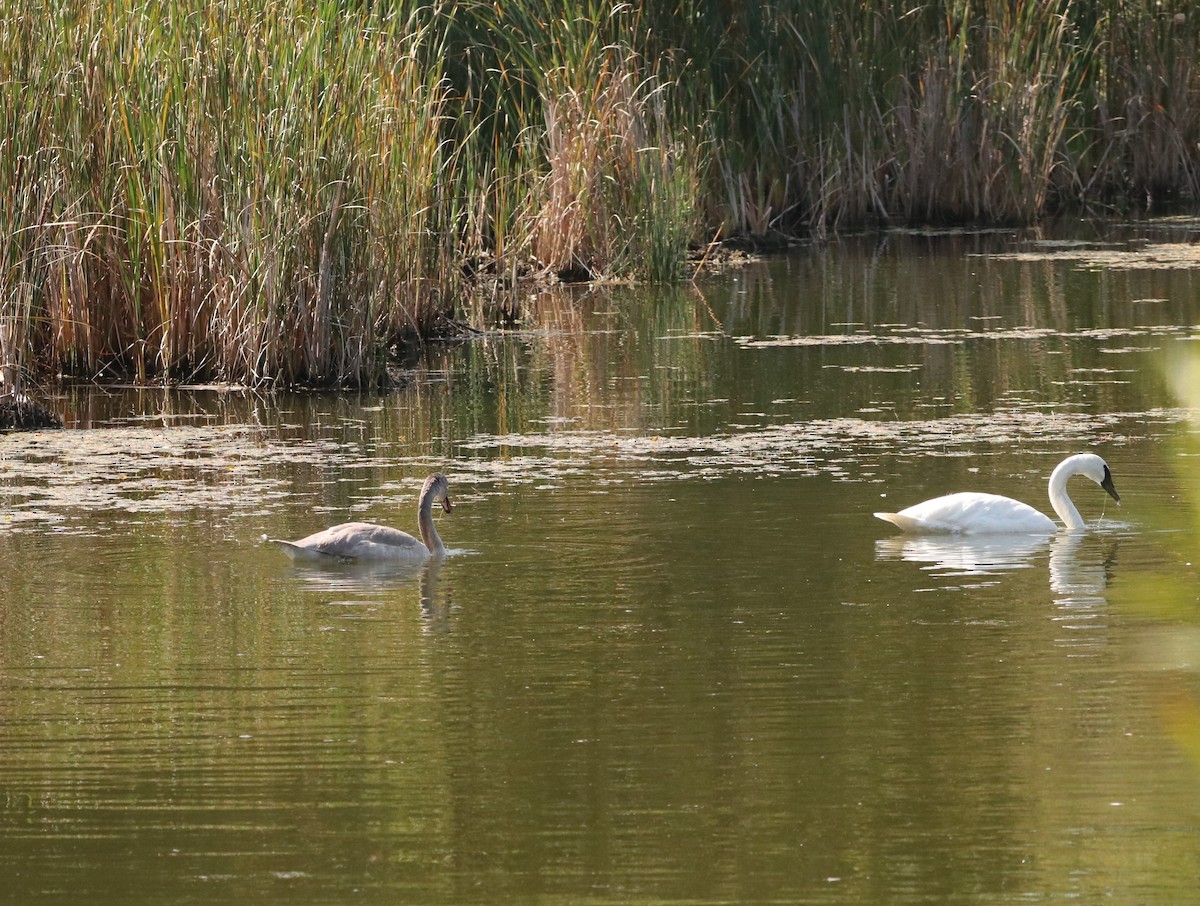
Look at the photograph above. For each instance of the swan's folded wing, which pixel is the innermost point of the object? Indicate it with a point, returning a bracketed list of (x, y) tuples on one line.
[(362, 539), (971, 513)]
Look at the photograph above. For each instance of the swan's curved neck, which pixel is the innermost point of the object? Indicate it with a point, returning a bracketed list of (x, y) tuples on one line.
[(1060, 500), (429, 532)]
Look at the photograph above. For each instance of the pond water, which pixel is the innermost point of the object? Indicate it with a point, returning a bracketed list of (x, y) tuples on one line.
[(672, 658)]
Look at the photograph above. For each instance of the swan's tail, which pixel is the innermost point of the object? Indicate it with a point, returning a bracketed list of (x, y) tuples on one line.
[(904, 523), (293, 551)]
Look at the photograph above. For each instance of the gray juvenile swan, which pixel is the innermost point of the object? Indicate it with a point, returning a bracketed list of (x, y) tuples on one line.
[(365, 541), (972, 513)]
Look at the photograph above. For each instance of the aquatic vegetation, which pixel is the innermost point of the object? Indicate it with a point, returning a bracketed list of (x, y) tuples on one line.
[(251, 193), (944, 337), (283, 194), (1156, 256), (19, 412)]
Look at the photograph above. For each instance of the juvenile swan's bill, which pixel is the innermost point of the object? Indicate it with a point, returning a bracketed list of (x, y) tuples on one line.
[(364, 541), (970, 513)]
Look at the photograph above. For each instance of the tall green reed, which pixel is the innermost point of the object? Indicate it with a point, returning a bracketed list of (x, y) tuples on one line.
[(594, 173), (1140, 93), (980, 128), (249, 193), (282, 192)]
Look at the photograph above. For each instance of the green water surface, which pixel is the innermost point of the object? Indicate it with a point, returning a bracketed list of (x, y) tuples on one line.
[(671, 658)]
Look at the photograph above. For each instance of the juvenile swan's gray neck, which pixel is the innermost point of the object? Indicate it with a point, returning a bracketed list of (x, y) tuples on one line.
[(1059, 499), (429, 532)]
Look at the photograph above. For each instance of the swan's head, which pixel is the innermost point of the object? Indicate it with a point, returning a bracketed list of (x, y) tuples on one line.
[(1097, 470), (438, 487)]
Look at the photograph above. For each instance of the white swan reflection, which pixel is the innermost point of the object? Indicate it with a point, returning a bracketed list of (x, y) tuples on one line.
[(1072, 576), (1079, 583), (963, 555), (1078, 563)]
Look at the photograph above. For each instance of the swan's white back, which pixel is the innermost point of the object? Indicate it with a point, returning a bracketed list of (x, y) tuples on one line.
[(970, 513)]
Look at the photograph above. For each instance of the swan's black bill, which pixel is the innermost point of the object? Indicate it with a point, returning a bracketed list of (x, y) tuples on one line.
[(448, 506), (1108, 485)]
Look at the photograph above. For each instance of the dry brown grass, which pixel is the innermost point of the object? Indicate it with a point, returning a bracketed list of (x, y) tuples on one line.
[(282, 193)]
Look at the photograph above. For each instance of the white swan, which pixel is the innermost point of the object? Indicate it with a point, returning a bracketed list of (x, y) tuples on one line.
[(970, 513), (364, 541)]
